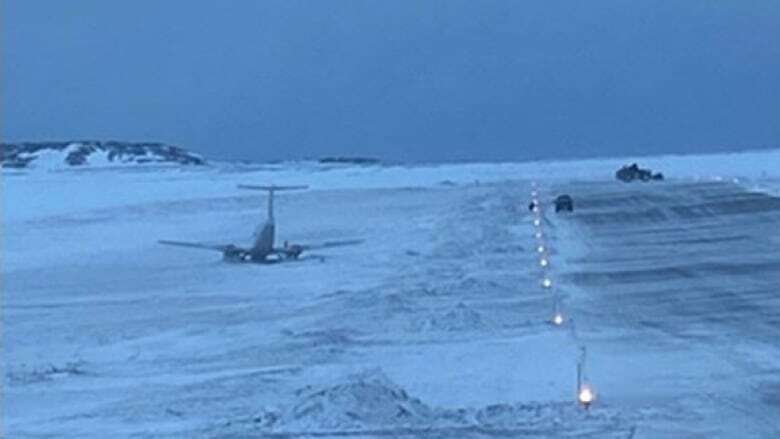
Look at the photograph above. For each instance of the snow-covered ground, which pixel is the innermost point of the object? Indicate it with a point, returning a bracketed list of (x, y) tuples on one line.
[(435, 326), (675, 292)]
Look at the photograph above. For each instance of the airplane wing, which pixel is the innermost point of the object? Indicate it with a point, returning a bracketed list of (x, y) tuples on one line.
[(297, 249), (330, 244), (216, 247)]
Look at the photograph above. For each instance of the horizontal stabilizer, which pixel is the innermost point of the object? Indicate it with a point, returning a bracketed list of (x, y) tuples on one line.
[(271, 187)]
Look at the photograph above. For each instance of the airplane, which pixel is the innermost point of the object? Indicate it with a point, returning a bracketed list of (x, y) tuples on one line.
[(262, 250)]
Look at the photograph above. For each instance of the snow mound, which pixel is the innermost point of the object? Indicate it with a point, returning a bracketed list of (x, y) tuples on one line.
[(366, 400), (370, 403)]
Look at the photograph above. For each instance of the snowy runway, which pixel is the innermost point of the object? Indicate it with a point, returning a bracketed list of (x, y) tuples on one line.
[(676, 293), (435, 326)]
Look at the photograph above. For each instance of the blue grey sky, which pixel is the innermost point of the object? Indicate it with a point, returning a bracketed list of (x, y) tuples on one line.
[(414, 80)]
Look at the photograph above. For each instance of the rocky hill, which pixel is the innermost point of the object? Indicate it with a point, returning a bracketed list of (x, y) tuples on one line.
[(54, 155)]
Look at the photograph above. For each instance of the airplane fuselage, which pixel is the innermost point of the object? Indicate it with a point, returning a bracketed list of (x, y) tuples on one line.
[(262, 250)]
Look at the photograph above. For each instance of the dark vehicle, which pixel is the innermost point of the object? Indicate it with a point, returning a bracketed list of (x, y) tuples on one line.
[(564, 203), (634, 172)]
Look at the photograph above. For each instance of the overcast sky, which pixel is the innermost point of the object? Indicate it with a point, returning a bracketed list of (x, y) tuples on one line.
[(402, 80)]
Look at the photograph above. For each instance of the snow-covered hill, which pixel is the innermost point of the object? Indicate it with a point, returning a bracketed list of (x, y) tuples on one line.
[(92, 153)]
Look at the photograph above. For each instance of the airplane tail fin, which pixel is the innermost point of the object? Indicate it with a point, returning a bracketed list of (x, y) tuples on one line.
[(264, 235)]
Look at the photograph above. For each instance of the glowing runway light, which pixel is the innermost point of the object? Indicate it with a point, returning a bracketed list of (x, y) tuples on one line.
[(540, 249), (537, 223), (547, 282), (586, 396), (543, 262), (557, 319)]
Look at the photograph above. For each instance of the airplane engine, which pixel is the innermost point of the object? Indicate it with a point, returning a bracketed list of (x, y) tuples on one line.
[(293, 251), (235, 254)]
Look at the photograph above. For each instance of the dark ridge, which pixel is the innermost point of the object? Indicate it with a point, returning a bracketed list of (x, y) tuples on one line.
[(351, 160), (21, 155)]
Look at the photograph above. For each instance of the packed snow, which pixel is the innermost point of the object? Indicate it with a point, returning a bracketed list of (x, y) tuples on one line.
[(436, 325)]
